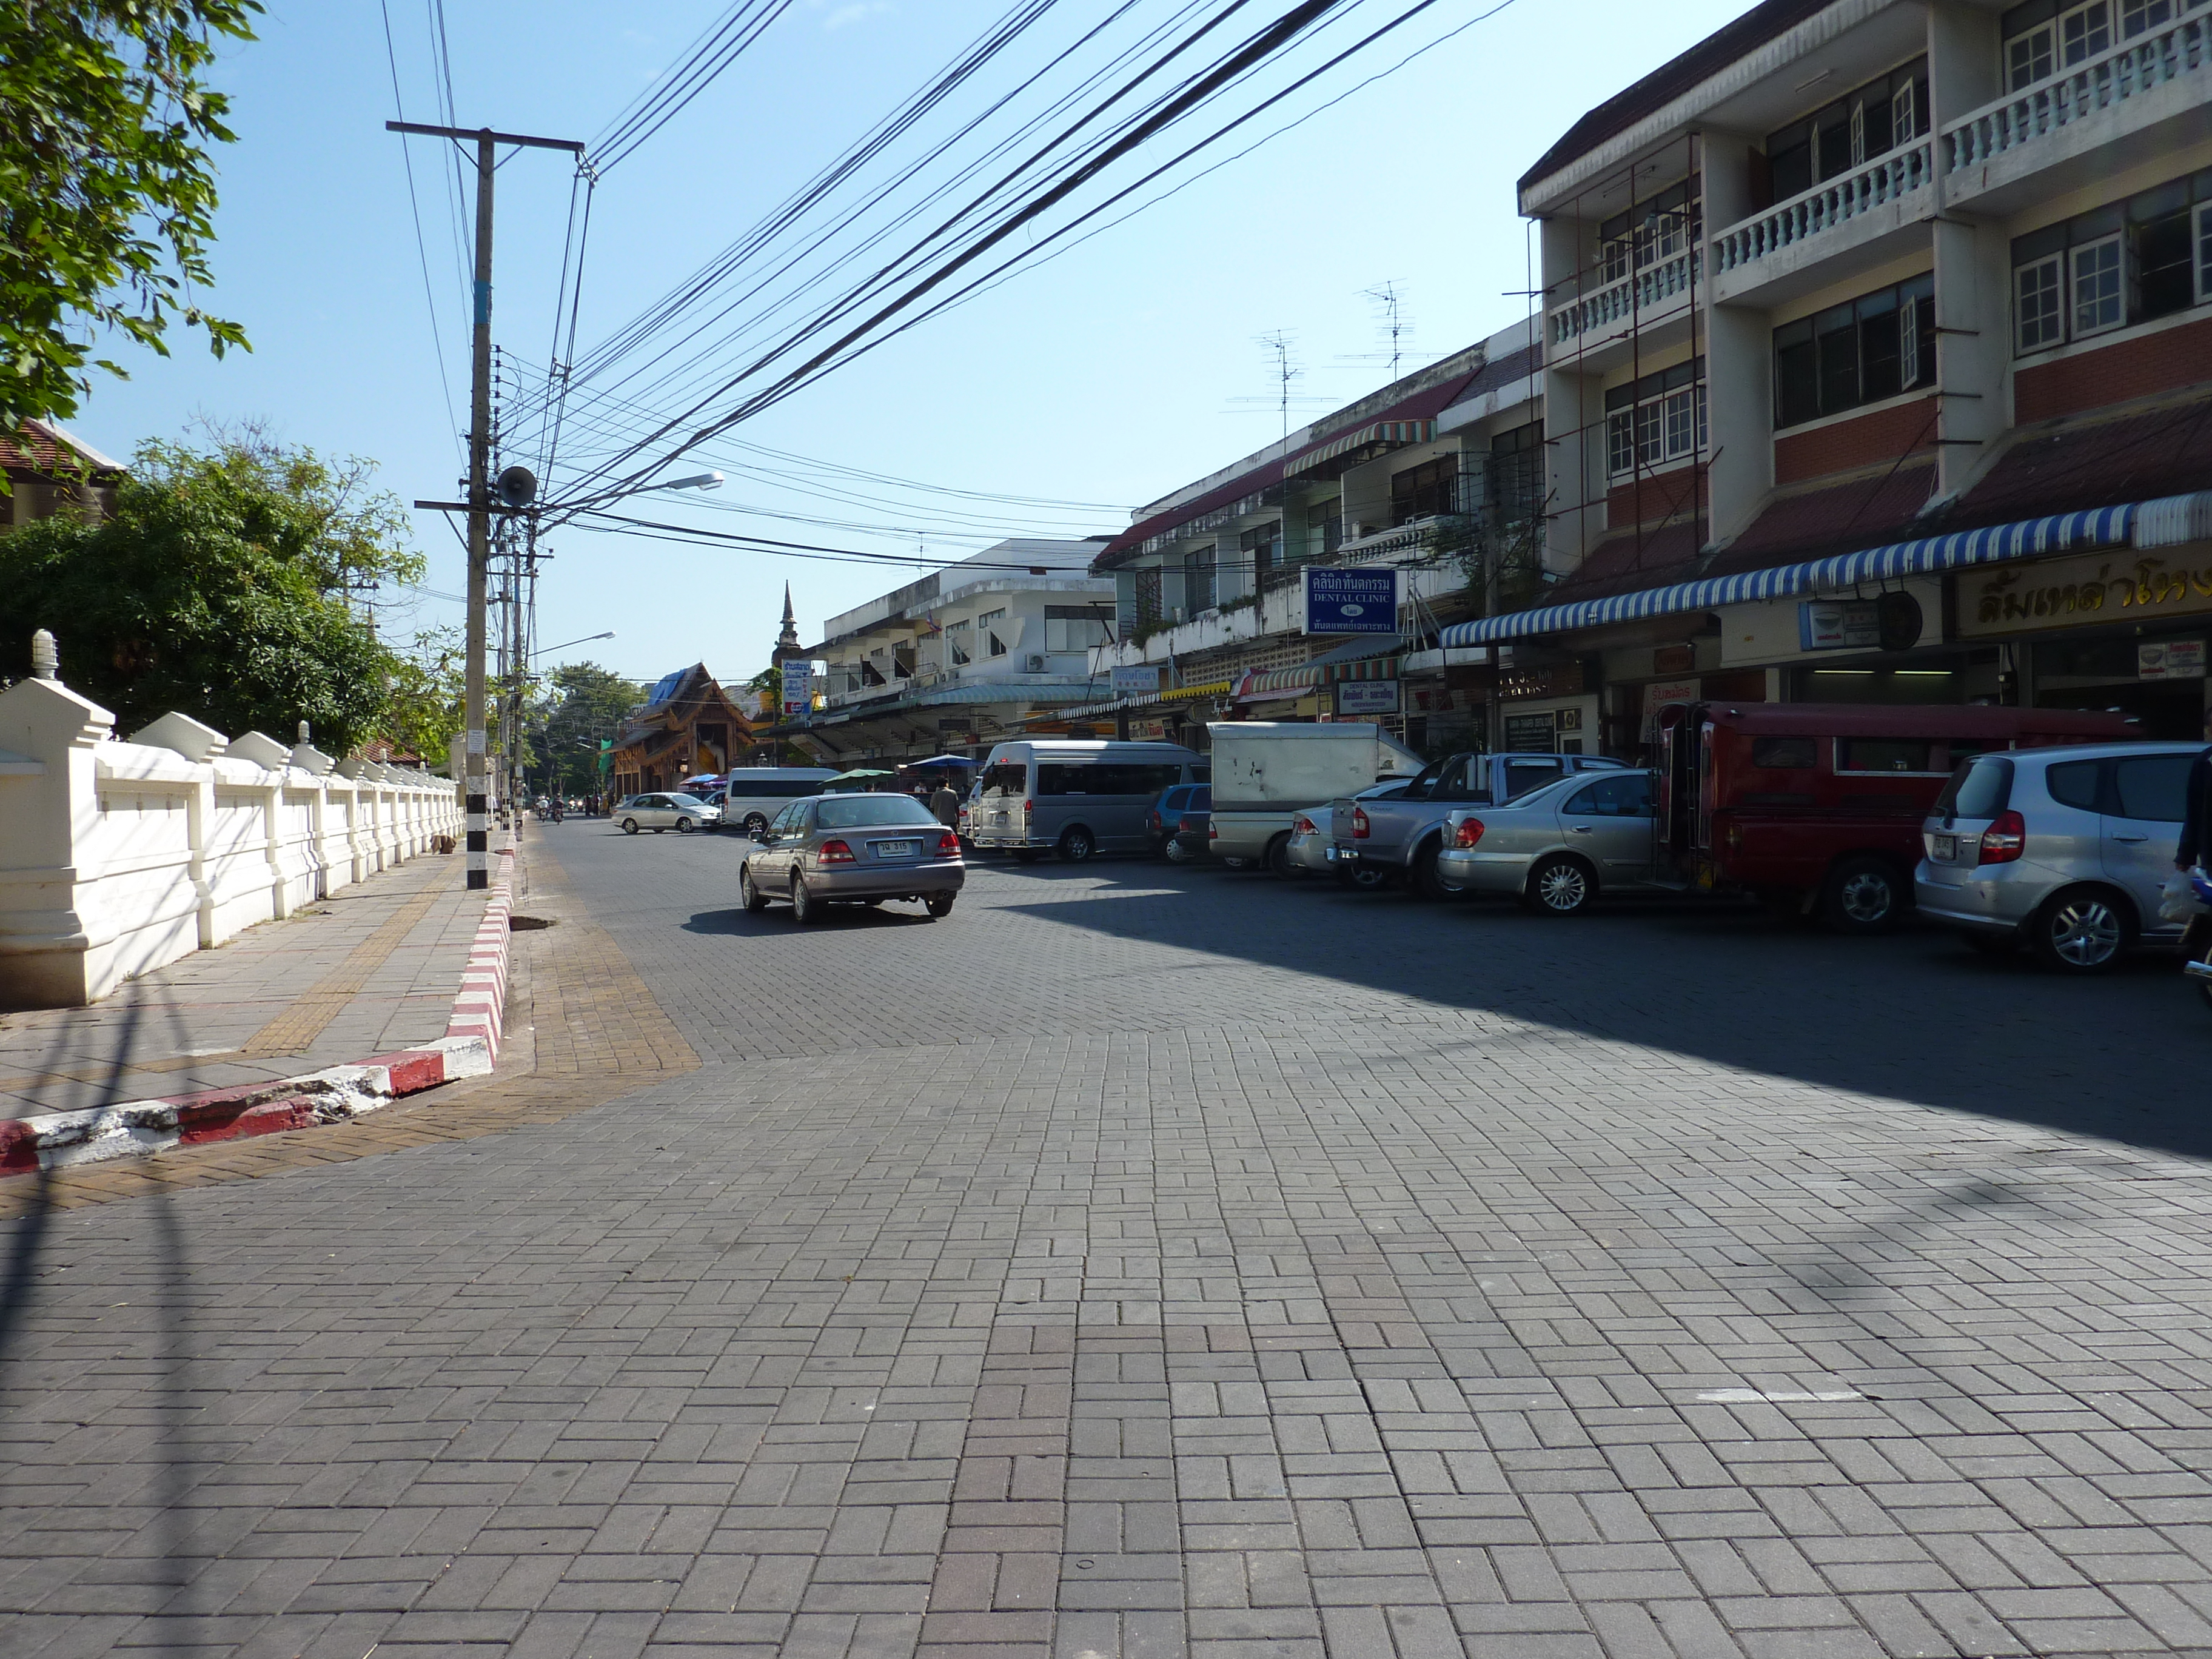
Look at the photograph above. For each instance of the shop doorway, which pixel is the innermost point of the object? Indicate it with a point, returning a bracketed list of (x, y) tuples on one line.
[(2108, 674)]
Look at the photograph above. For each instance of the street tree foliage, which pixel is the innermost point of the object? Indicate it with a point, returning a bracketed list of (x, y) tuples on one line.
[(106, 188), (425, 702), (581, 704), (219, 587)]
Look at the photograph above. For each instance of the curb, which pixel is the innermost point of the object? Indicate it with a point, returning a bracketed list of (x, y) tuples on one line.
[(335, 1094)]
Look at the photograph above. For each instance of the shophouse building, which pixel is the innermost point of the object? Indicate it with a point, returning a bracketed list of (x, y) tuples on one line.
[(1436, 475), (1876, 364), (995, 645)]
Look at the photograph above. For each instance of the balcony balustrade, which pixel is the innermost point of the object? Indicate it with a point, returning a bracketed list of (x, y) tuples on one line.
[(2122, 73), (1833, 203), (1655, 289)]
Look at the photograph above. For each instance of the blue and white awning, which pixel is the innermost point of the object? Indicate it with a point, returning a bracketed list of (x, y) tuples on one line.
[(2162, 523)]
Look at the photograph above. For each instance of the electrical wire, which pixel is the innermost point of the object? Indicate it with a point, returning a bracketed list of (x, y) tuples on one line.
[(421, 243), (713, 51)]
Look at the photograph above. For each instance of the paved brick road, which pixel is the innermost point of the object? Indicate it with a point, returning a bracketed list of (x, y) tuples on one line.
[(1142, 1262)]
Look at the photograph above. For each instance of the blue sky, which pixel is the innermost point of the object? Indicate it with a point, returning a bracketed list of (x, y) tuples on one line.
[(1108, 376)]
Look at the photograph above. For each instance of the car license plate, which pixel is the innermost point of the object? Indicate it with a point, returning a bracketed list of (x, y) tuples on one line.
[(1944, 848), (897, 849)]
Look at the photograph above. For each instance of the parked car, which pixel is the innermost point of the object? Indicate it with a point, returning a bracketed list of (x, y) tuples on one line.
[(1163, 822), (1193, 837), (2063, 850), (680, 812), (1819, 805), (1555, 849), (754, 794), (1076, 797), (1403, 836), (1265, 772), (1311, 852), (851, 849)]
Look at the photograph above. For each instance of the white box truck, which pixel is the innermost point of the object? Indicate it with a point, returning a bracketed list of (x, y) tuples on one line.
[(1265, 772)]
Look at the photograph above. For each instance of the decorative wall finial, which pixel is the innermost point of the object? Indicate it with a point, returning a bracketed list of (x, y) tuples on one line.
[(303, 731), (46, 658)]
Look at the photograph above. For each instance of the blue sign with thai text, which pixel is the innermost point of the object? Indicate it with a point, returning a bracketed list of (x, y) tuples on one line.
[(1352, 601)]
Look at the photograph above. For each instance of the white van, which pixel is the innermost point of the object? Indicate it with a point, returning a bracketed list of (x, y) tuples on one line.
[(1073, 797), (754, 794)]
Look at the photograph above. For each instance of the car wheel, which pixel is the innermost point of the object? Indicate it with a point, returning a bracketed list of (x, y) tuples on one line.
[(2083, 930), (755, 825), (1429, 881), (630, 826), (1229, 862), (1176, 852), (1367, 878), (1277, 858), (805, 909), (683, 826), (749, 892), (1559, 886), (940, 904), (1076, 845), (1864, 896)]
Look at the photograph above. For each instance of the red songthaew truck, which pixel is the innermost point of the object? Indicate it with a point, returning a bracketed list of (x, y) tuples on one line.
[(1819, 805)]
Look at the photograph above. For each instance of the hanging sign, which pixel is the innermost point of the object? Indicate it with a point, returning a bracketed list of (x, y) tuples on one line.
[(798, 685), (1366, 697), (1352, 601), (1138, 680)]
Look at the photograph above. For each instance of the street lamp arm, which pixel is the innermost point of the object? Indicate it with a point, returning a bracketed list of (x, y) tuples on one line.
[(565, 644)]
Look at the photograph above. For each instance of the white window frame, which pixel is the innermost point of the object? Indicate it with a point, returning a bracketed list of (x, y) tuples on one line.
[(2050, 272), (1664, 430), (996, 647), (955, 644), (2110, 255), (1904, 114), (2201, 229), (2026, 51), (2074, 23)]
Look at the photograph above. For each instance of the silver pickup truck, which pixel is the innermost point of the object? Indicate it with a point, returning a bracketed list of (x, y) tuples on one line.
[(1401, 836)]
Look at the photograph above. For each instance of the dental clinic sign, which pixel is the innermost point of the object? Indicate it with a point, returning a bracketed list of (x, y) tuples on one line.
[(1352, 601)]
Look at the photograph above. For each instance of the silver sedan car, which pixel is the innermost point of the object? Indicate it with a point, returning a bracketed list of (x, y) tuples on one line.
[(673, 810), (1312, 846), (851, 849), (1555, 849)]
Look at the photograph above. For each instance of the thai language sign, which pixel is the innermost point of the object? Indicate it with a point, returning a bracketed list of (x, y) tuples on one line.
[(2085, 590), (1352, 601), (1138, 680)]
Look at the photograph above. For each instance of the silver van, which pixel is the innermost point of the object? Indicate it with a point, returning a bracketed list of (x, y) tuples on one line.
[(1075, 798), (2064, 850), (753, 795)]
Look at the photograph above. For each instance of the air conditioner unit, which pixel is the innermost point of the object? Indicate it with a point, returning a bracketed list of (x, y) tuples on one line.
[(1033, 663)]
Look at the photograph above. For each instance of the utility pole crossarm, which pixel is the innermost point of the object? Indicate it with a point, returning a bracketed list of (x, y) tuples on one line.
[(481, 133)]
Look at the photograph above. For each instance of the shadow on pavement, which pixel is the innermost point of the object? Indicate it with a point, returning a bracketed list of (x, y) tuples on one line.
[(1915, 1016)]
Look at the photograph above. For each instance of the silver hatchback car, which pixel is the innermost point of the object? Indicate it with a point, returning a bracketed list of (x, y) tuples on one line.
[(1557, 848), (2064, 850), (853, 849)]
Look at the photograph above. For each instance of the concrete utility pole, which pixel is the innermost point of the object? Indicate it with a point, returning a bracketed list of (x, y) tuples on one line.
[(479, 503)]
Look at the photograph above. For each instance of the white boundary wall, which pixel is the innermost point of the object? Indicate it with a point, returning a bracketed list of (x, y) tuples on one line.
[(116, 857)]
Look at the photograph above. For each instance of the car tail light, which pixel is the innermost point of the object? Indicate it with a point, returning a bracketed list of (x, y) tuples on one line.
[(1302, 825), (1469, 833), (1029, 806), (2005, 839), (1212, 830), (1360, 824), (948, 845), (834, 852)]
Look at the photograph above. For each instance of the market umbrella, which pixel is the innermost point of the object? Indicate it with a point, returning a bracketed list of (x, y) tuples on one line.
[(940, 760), (858, 775)]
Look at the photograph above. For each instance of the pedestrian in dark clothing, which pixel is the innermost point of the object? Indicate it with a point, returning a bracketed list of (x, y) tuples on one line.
[(2196, 810), (944, 804)]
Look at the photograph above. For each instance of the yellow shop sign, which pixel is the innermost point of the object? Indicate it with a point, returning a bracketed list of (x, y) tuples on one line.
[(2090, 589)]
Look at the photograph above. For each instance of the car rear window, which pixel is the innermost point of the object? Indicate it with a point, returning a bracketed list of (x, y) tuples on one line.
[(1978, 789), (869, 811), (1201, 799), (2074, 783), (2153, 787)]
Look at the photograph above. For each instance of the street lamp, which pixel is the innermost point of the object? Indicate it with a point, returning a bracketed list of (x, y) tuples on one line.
[(565, 644)]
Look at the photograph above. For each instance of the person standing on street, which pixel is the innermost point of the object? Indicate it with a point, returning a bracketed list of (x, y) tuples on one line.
[(944, 804), (2189, 852)]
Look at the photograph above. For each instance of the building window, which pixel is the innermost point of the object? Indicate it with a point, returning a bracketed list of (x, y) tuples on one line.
[(957, 640), (2046, 37), (1867, 122), (1325, 527), (1657, 228), (1078, 627), (1861, 352), (1197, 593), (1424, 491), (1658, 420), (2127, 262), (987, 627), (1516, 474), (1262, 551)]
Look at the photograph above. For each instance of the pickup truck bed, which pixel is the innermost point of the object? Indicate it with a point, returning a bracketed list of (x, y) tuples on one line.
[(1402, 836)]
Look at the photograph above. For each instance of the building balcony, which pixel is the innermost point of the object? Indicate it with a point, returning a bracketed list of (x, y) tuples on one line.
[(1856, 218), (2140, 99), (1653, 296)]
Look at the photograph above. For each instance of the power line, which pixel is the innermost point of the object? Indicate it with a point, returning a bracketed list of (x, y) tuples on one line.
[(422, 244)]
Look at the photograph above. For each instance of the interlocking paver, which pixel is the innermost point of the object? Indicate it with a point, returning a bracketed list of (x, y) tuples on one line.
[(1146, 1262)]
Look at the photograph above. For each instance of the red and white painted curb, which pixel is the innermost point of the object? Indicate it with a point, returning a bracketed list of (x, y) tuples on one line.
[(61, 1141)]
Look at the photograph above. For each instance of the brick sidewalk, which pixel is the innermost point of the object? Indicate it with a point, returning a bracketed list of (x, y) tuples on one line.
[(371, 971)]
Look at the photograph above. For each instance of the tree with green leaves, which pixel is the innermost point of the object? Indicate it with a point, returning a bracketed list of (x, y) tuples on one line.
[(584, 705), (220, 587), (106, 188)]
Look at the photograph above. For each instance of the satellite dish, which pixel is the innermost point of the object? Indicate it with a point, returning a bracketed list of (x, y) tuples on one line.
[(517, 486)]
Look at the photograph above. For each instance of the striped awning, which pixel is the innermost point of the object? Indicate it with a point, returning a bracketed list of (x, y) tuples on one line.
[(1280, 682), (1374, 432), (2149, 524), (1185, 693)]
